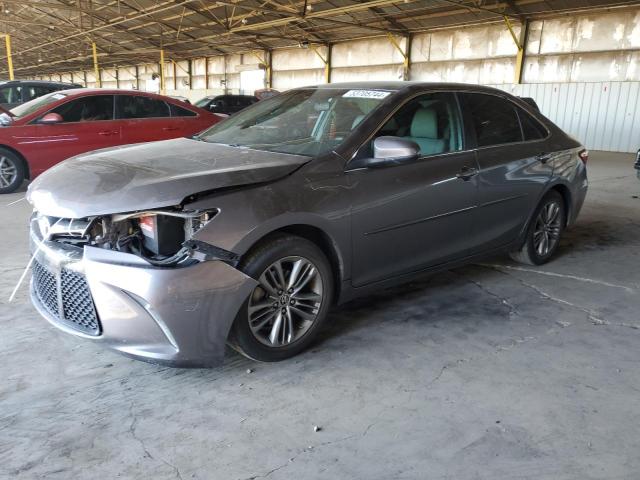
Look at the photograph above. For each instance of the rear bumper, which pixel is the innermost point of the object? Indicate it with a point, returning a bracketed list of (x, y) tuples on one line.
[(174, 316)]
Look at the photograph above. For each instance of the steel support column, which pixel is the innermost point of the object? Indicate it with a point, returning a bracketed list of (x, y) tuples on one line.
[(162, 88), (96, 69), (521, 43), (7, 42), (405, 52), (326, 61)]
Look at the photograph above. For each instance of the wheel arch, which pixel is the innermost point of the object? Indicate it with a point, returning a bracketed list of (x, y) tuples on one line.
[(318, 237), (565, 193), (27, 171)]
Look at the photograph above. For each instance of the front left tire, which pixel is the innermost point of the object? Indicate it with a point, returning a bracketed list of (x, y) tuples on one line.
[(11, 171), (287, 308)]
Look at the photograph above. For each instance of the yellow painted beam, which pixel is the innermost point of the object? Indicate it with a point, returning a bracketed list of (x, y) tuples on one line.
[(162, 88), (512, 32), (96, 69), (521, 43), (404, 52), (7, 42), (326, 61)]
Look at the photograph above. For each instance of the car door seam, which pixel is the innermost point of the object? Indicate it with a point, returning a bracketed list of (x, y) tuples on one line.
[(421, 220)]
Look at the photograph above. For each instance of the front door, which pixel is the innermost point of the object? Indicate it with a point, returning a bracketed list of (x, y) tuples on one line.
[(412, 216), (87, 125)]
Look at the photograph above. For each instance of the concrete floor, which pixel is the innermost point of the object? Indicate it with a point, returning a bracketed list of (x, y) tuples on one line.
[(490, 371)]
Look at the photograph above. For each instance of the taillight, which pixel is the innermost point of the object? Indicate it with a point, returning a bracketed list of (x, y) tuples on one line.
[(584, 156)]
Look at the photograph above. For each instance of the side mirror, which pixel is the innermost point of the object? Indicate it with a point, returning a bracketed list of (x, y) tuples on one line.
[(51, 118), (389, 151)]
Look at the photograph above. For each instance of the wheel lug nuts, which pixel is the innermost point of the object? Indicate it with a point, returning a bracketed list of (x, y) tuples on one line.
[(279, 292), (291, 290), (292, 302)]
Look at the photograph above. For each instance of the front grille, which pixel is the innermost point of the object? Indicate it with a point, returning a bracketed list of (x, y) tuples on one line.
[(78, 309), (77, 304), (46, 287)]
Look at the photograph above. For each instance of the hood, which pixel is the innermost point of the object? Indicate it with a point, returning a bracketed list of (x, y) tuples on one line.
[(151, 175)]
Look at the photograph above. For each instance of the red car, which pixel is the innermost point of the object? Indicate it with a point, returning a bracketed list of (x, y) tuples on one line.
[(41, 133)]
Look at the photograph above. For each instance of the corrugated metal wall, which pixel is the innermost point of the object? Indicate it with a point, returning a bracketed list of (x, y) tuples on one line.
[(602, 115)]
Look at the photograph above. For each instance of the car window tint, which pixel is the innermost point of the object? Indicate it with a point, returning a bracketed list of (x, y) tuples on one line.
[(87, 109), (11, 94), (431, 120), (203, 102), (494, 119), (32, 92), (138, 106), (531, 128), (177, 111)]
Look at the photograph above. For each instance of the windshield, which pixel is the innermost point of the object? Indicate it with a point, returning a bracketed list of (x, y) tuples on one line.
[(303, 122), (36, 104), (203, 102)]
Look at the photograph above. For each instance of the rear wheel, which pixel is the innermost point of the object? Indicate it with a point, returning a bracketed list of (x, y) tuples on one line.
[(286, 309), (544, 231), (11, 171)]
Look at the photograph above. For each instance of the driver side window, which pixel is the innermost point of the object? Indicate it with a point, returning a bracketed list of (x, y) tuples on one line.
[(86, 109), (431, 120)]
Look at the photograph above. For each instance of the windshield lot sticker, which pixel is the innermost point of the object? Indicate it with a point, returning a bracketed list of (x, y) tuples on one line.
[(366, 94)]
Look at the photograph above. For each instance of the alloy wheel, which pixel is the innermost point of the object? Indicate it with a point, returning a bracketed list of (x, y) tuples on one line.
[(285, 303), (8, 172), (548, 226)]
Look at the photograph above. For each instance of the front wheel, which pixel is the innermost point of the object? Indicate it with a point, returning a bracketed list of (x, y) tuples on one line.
[(11, 171), (544, 231), (286, 309)]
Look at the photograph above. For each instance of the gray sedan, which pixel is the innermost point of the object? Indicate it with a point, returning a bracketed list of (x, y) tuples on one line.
[(248, 233)]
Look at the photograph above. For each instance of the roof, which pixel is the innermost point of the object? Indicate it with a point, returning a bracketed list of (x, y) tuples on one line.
[(36, 82), (53, 36), (399, 85)]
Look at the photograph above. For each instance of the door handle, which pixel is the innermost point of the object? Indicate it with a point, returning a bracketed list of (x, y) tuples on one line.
[(543, 157), (467, 173), (107, 133)]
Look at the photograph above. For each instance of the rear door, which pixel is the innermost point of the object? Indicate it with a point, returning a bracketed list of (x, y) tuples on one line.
[(145, 119), (87, 125), (415, 215), (514, 165)]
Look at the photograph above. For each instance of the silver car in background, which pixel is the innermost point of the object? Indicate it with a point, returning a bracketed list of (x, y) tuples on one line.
[(248, 233)]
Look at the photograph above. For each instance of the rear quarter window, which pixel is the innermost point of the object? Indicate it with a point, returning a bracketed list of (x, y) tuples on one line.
[(177, 111), (531, 128)]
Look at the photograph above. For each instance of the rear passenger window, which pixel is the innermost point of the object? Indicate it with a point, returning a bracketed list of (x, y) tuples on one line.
[(531, 128), (32, 92), (494, 119), (177, 111), (134, 106)]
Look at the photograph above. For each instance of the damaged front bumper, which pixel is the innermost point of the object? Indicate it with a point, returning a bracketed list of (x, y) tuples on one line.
[(175, 316)]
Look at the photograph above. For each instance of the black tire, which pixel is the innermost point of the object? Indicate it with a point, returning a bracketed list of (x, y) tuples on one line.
[(13, 166), (531, 252), (281, 249)]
